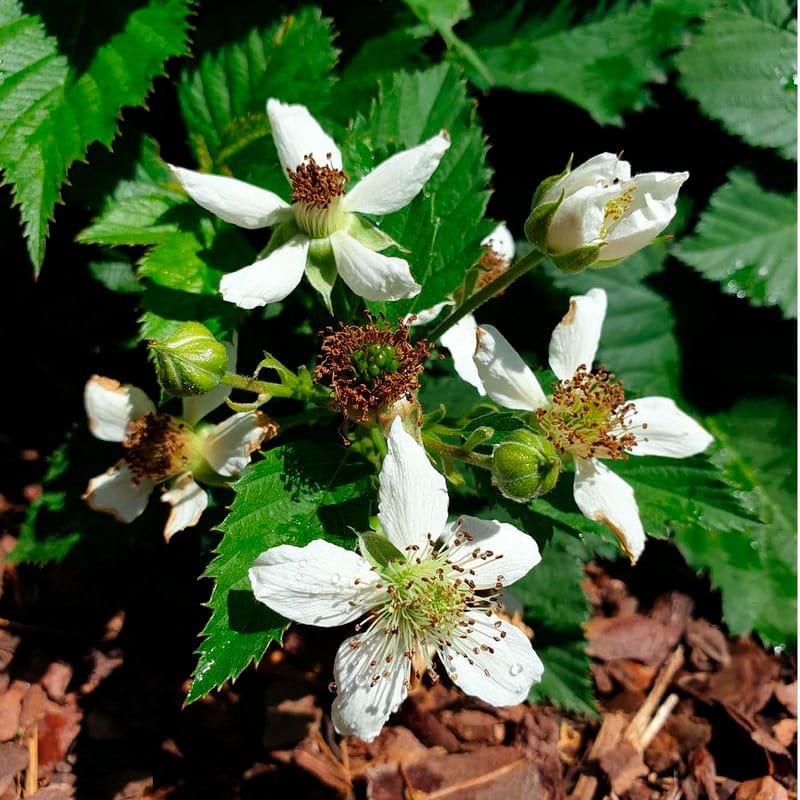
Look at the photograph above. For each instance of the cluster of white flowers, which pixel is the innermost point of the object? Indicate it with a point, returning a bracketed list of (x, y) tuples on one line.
[(436, 589)]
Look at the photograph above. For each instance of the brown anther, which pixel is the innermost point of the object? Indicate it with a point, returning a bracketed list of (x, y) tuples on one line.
[(316, 185), (158, 447)]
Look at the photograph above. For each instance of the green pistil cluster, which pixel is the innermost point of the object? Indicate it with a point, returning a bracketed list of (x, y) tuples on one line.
[(374, 360), (427, 599)]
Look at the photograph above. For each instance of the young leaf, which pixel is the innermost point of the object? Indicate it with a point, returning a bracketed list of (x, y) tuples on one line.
[(223, 98), (51, 111), (746, 239), (443, 227), (297, 493), (742, 71), (755, 569)]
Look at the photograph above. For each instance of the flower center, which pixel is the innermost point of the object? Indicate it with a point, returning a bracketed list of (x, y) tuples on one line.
[(587, 416), (159, 446), (615, 209), (369, 366), (317, 192), (429, 601)]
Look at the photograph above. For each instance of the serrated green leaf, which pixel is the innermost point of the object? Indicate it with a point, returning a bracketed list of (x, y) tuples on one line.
[(746, 239), (50, 111), (117, 276), (223, 98), (603, 65), (742, 70), (755, 569), (443, 227), (297, 493), (638, 341)]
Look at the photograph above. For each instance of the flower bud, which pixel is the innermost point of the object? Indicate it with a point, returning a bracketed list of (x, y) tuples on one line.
[(189, 361), (525, 465), (597, 214)]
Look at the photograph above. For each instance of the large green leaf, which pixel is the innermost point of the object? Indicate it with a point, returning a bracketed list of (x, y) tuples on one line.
[(603, 65), (443, 227), (223, 98), (638, 342), (746, 239), (755, 569), (52, 110), (297, 493), (742, 70)]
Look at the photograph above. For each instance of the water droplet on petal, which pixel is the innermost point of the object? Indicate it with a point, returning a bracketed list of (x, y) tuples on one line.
[(303, 562), (515, 669), (332, 687), (741, 294), (336, 579)]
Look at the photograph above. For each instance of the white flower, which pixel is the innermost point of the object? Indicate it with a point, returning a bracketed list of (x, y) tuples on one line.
[(161, 448), (460, 339), (588, 417), (603, 204), (324, 226), (440, 595)]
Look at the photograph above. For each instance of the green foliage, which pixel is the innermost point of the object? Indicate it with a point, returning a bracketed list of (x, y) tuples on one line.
[(742, 71), (567, 682), (746, 239), (443, 227), (603, 65), (755, 568), (299, 492), (51, 110), (638, 342), (223, 98)]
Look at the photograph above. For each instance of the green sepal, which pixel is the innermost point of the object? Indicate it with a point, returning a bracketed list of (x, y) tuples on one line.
[(479, 436), (280, 235), (548, 183), (538, 223), (578, 260), (321, 270), (612, 262), (369, 235), (434, 417), (377, 549)]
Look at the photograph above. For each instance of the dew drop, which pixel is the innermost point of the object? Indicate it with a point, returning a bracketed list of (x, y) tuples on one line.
[(332, 687), (336, 579), (732, 287), (303, 563), (762, 271), (778, 649), (515, 669), (741, 294), (738, 264), (755, 545)]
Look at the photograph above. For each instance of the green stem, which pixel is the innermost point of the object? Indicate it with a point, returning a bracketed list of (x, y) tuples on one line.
[(449, 451), (256, 386), (522, 266)]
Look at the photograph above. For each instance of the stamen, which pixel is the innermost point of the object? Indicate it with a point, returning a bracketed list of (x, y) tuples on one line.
[(159, 446), (588, 416), (316, 185)]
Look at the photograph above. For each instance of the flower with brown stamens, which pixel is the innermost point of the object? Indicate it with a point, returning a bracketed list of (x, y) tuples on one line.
[(369, 366)]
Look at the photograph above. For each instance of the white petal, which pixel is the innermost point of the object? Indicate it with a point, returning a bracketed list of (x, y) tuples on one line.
[(655, 195), (579, 220), (197, 406), (188, 500), (502, 242), (313, 585), (112, 406), (268, 280), (362, 705), (427, 315), (393, 184), (507, 379), (229, 446), (576, 337), (662, 429), (297, 135), (369, 274), (603, 496), (502, 676), (598, 172), (234, 201), (514, 553), (461, 340), (413, 496), (116, 493)]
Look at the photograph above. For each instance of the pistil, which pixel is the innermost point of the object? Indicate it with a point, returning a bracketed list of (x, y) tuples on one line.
[(317, 191), (158, 447)]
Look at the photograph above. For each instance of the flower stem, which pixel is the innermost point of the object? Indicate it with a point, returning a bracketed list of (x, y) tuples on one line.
[(522, 266), (258, 387), (450, 451)]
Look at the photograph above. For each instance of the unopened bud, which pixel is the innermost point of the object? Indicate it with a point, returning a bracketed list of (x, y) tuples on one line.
[(189, 361), (525, 465)]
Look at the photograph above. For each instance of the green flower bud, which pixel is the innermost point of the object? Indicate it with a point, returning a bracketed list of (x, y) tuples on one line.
[(525, 465), (189, 361)]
